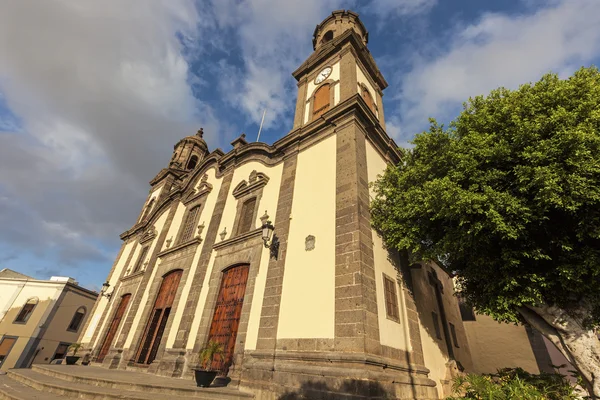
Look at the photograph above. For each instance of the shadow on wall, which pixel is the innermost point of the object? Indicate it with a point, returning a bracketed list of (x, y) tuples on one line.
[(350, 390)]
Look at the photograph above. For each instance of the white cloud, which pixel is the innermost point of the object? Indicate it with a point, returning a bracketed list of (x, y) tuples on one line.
[(500, 50), (386, 8), (101, 92)]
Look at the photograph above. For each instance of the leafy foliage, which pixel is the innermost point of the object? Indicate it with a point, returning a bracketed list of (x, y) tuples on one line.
[(208, 353), (508, 197), (511, 384), (74, 347)]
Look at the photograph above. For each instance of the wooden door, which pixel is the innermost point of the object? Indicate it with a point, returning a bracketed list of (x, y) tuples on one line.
[(226, 318), (158, 318), (114, 326)]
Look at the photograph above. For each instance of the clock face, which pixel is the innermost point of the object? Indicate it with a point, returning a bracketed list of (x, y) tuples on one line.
[(323, 75)]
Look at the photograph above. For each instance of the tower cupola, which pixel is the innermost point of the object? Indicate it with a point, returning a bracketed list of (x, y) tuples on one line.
[(189, 152), (337, 23)]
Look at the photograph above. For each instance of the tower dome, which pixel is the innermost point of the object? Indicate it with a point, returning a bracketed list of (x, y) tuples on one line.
[(189, 152), (337, 23)]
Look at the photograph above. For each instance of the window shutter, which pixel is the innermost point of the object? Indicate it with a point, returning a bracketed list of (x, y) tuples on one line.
[(189, 224), (141, 259), (391, 299), (321, 101), (246, 219)]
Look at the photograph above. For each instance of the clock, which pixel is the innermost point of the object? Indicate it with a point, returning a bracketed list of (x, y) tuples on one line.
[(323, 75)]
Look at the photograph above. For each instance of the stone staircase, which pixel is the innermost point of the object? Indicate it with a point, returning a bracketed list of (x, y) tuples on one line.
[(53, 382)]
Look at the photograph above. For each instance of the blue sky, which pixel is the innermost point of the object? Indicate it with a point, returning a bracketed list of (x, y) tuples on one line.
[(93, 95)]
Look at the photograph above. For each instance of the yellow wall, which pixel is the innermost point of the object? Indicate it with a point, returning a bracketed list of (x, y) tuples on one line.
[(308, 293), (495, 345)]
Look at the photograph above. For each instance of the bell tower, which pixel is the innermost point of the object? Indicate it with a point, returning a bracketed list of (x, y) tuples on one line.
[(189, 152), (340, 67)]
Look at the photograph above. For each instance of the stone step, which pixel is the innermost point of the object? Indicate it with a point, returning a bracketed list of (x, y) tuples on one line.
[(94, 385), (137, 381), (13, 390)]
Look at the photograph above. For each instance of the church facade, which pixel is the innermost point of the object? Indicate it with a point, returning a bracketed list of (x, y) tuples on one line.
[(312, 303)]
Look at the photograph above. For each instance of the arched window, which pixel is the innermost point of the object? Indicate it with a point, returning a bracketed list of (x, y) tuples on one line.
[(320, 101), (247, 216), (77, 320), (148, 209), (368, 99), (189, 224), (193, 161), (26, 311), (327, 37)]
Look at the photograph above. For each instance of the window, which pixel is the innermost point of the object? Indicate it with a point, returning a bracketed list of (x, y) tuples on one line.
[(5, 347), (247, 216), (320, 101), (453, 334), (140, 260), (436, 325), (189, 224), (391, 299), (61, 351), (77, 320), (327, 37), (26, 311), (148, 209), (193, 162), (466, 311), (367, 98)]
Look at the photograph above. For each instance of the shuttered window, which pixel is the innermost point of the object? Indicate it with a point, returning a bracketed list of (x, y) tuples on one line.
[(321, 101), (140, 260), (391, 299), (77, 319), (26, 311), (5, 346), (247, 216), (436, 324), (368, 99), (453, 334), (189, 224)]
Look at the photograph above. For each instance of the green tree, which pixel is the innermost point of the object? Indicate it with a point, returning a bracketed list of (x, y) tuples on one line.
[(508, 197)]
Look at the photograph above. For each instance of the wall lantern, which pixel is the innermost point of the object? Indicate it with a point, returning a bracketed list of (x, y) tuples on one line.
[(269, 238), (105, 287)]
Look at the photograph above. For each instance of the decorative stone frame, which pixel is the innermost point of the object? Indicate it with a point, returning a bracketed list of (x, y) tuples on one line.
[(244, 191), (195, 198), (230, 254), (311, 100)]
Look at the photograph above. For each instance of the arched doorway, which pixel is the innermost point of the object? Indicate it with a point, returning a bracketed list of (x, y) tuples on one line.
[(158, 318), (226, 319), (114, 325)]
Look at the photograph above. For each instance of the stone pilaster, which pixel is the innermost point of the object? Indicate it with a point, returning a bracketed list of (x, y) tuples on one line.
[(356, 321), (348, 78)]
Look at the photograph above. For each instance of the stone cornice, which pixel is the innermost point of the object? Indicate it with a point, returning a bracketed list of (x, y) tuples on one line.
[(293, 142), (194, 241), (238, 239)]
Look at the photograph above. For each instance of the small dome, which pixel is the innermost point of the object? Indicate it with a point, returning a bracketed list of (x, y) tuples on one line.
[(337, 23), (189, 151)]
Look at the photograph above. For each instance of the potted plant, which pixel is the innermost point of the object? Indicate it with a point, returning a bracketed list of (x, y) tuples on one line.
[(204, 376), (72, 359)]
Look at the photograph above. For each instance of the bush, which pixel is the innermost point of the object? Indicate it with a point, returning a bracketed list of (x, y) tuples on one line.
[(513, 384)]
